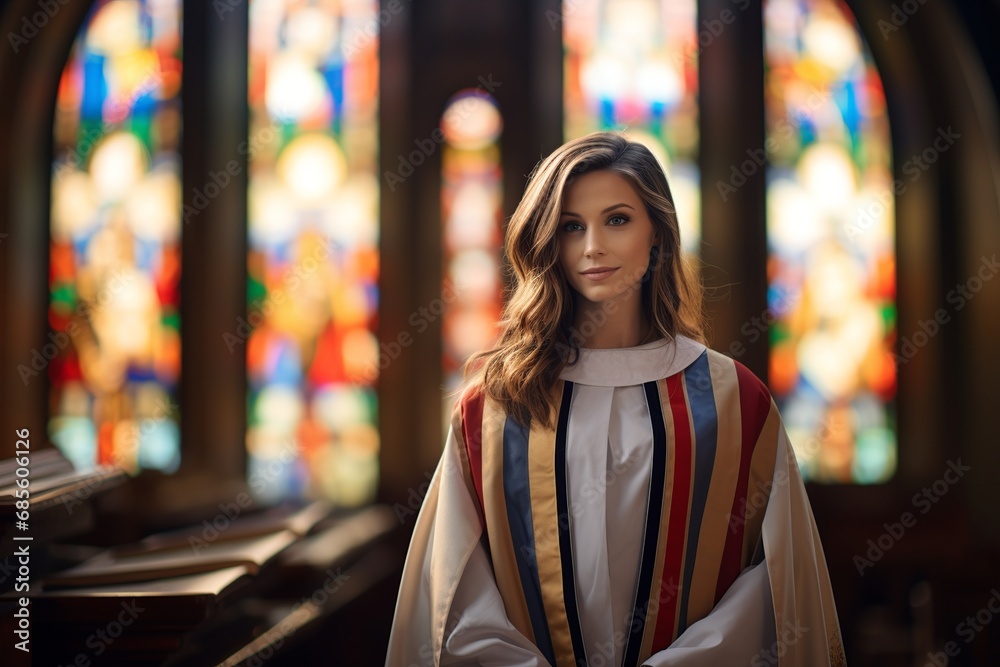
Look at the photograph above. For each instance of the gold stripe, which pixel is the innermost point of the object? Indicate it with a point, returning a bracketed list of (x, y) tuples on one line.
[(716, 522), (761, 481), (661, 590), (545, 522), (501, 545)]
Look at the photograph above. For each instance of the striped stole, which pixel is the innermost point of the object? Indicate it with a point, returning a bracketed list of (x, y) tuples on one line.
[(715, 433)]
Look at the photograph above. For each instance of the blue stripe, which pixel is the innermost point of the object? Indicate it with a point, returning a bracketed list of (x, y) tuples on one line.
[(518, 500), (565, 545), (701, 397), (651, 532)]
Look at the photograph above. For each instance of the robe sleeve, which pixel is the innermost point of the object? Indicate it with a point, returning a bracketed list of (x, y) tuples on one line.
[(738, 631), (780, 611), (449, 610), (478, 630), (805, 613)]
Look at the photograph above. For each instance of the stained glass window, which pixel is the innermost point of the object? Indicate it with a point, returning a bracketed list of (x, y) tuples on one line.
[(113, 354), (632, 65), (312, 351), (831, 238), (471, 206)]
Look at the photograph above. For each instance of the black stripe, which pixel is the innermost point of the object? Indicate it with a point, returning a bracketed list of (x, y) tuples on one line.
[(758, 552), (651, 532), (565, 545)]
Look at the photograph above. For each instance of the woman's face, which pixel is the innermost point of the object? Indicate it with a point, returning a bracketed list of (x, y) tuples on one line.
[(604, 225)]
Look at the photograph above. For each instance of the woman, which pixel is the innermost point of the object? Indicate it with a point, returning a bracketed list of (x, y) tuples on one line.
[(612, 492)]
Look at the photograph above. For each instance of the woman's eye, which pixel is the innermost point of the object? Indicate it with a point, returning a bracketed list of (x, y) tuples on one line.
[(621, 220), (571, 226)]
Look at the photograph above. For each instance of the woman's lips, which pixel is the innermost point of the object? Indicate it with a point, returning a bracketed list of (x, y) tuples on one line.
[(598, 275)]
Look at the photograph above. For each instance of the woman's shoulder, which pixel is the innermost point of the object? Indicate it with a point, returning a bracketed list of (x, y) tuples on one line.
[(753, 394), (468, 405), (742, 370), (471, 396)]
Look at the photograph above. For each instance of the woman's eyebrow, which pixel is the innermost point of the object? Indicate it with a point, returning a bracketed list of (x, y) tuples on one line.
[(610, 208)]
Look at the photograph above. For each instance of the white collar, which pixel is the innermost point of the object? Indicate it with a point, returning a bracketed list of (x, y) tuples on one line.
[(626, 366)]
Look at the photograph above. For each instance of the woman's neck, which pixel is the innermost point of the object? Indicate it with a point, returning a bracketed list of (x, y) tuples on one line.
[(596, 328)]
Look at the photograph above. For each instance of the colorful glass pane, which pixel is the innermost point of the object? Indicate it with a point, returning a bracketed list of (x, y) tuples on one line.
[(831, 239), (113, 354), (632, 66), (312, 352), (472, 211)]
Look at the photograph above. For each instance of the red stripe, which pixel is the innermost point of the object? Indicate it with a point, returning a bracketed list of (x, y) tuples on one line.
[(472, 430), (677, 523), (755, 401)]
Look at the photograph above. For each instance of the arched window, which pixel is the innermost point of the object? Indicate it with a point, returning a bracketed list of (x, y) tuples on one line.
[(831, 242), (471, 198), (114, 345), (311, 346)]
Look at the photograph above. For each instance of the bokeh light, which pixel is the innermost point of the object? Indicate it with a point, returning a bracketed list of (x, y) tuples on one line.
[(313, 260), (115, 240), (831, 238)]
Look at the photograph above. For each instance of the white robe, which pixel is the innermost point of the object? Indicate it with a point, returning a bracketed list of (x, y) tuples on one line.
[(608, 458)]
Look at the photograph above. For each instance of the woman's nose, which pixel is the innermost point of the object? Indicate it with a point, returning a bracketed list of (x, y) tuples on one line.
[(593, 242)]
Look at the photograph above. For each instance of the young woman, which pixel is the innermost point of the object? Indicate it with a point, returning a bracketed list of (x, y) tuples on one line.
[(612, 491)]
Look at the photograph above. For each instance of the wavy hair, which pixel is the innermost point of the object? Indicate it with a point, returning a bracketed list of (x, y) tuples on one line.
[(536, 339)]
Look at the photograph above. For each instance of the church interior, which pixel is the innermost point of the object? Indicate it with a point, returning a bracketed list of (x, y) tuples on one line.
[(246, 247)]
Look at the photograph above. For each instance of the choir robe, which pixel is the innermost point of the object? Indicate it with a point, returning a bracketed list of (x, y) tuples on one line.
[(661, 520)]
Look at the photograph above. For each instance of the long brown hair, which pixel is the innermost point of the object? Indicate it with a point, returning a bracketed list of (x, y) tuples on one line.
[(536, 339)]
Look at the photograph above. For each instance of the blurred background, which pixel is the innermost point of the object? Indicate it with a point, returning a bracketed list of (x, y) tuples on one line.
[(246, 246)]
